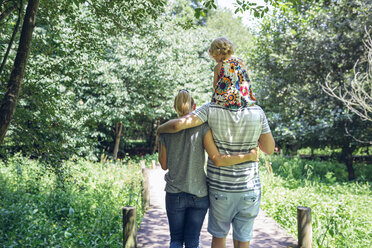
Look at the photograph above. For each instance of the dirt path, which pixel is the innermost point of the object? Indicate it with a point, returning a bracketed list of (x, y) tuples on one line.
[(154, 232)]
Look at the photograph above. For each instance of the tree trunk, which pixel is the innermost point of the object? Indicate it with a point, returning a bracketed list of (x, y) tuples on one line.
[(347, 159), (350, 168), (15, 31), (9, 102), (118, 129), (156, 138)]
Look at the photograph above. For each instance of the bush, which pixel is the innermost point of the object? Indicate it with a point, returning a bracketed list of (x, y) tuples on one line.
[(340, 209), (78, 205)]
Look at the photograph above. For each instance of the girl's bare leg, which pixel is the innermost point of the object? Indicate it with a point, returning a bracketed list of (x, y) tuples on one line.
[(218, 242)]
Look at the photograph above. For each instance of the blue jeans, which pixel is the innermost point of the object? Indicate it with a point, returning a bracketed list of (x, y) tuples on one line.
[(186, 213)]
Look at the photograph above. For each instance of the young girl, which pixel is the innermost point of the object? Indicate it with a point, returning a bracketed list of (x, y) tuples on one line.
[(182, 154), (238, 125), (231, 84)]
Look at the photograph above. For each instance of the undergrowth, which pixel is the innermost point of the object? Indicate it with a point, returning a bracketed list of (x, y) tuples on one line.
[(77, 205), (341, 209)]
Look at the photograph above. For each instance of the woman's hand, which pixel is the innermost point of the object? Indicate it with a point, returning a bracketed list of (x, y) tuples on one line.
[(255, 153)]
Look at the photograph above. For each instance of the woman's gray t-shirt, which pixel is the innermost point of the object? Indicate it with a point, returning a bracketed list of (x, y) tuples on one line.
[(186, 160)]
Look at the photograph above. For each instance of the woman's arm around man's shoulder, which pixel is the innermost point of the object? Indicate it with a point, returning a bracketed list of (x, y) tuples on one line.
[(176, 125)]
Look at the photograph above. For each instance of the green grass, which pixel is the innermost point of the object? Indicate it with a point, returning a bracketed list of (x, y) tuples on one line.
[(81, 206), (341, 210)]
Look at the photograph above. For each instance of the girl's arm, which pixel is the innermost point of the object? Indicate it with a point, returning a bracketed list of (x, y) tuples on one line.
[(217, 69), (266, 143), (162, 157), (176, 125), (225, 160)]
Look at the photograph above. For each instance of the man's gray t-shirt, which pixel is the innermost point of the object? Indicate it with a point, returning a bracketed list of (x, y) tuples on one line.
[(235, 131), (185, 161)]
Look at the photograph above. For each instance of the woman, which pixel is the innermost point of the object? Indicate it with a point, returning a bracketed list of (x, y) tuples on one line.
[(182, 154)]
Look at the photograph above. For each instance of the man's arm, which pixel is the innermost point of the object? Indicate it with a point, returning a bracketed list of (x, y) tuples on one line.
[(176, 125), (225, 160), (266, 143), (162, 156)]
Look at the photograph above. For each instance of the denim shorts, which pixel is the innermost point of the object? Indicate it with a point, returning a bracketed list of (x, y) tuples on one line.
[(238, 209)]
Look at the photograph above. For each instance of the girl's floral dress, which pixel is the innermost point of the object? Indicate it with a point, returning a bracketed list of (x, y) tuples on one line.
[(233, 88)]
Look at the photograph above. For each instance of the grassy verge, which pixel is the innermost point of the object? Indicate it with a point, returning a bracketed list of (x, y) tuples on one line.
[(341, 210), (80, 206)]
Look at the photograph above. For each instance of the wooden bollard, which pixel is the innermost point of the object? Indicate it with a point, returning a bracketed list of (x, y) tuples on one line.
[(304, 227), (145, 189), (143, 164), (129, 227)]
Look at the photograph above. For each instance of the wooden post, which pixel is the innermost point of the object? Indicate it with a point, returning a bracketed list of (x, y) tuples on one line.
[(129, 227), (304, 227), (145, 189), (153, 164), (143, 164)]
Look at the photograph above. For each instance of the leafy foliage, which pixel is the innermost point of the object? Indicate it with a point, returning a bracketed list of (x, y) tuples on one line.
[(296, 52), (357, 93), (339, 208), (79, 208), (137, 81), (78, 85), (253, 8), (222, 23)]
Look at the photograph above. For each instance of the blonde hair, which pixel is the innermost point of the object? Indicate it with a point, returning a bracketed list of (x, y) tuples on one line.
[(183, 103), (221, 46)]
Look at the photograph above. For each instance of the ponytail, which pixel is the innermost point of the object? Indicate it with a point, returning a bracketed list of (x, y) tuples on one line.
[(183, 103)]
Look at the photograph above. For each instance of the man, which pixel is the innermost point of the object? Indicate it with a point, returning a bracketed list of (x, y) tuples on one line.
[(234, 191)]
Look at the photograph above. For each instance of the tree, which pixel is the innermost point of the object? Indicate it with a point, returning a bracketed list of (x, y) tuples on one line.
[(109, 17), (96, 64), (146, 71), (9, 101), (356, 94), (295, 52), (78, 86)]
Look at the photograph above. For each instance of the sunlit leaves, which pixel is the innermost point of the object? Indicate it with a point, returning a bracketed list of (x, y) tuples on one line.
[(338, 207), (78, 207), (242, 6), (69, 46), (295, 51)]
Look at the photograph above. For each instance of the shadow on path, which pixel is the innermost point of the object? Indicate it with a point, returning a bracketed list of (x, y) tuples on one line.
[(154, 231)]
